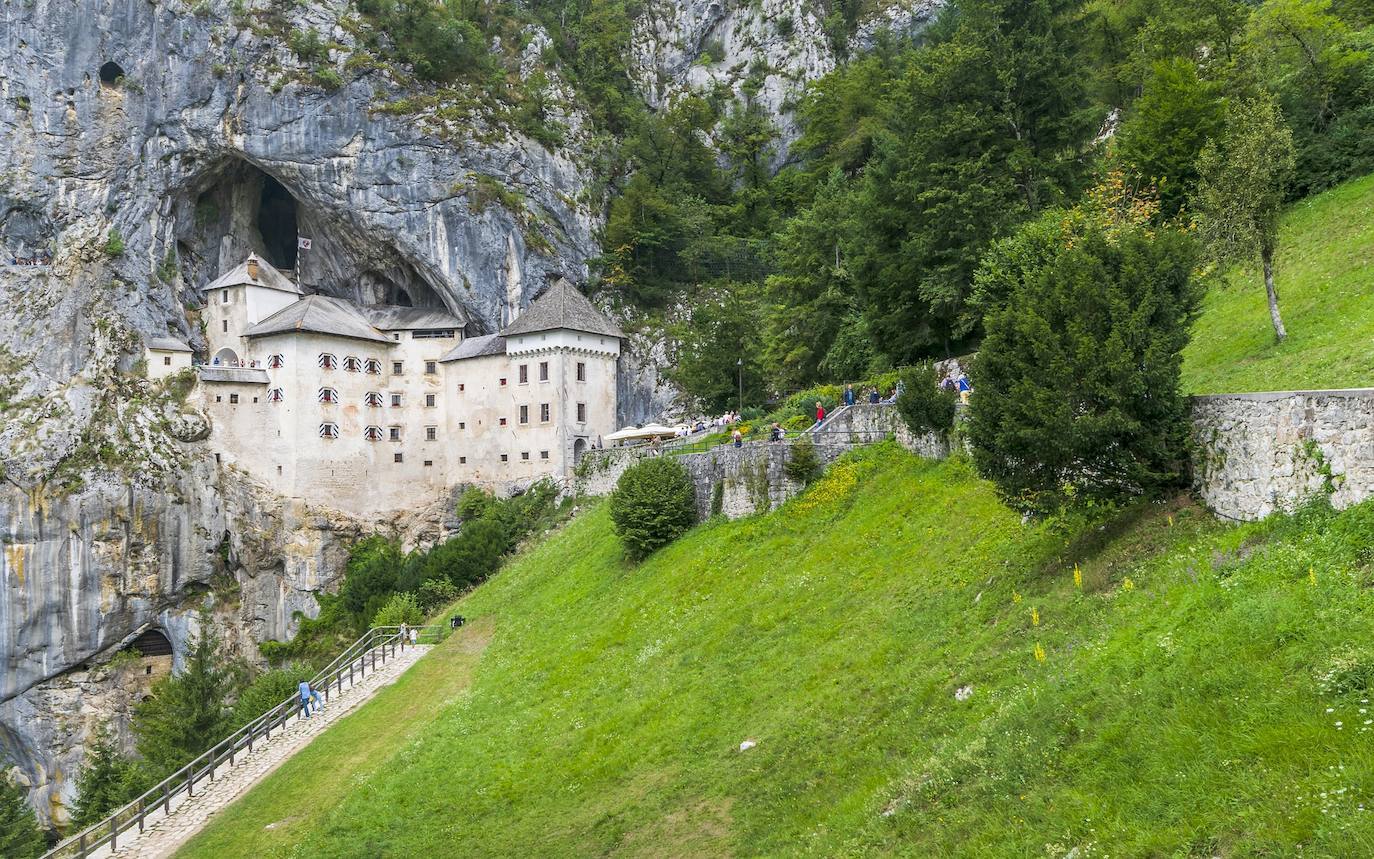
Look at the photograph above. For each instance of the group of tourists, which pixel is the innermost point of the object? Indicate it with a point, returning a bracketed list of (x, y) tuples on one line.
[(43, 258)]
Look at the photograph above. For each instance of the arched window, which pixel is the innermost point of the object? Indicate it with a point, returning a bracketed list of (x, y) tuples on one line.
[(328, 430), (152, 642), (329, 395), (276, 362), (328, 361), (373, 367), (352, 364), (373, 399), (275, 395), (373, 434)]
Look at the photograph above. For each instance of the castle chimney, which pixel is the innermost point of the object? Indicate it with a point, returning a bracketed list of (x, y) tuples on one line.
[(253, 267)]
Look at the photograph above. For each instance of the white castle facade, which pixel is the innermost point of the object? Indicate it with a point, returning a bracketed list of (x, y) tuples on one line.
[(371, 408)]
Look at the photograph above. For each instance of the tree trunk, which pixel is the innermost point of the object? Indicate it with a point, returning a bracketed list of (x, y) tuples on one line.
[(1267, 256)]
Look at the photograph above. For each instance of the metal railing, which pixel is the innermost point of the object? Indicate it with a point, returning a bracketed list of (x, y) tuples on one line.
[(357, 661)]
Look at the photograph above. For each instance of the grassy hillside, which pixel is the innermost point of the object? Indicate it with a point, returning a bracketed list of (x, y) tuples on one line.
[(1211, 705), (1326, 295)]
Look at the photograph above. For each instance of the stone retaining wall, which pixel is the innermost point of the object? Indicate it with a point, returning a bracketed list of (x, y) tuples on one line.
[(1258, 453)]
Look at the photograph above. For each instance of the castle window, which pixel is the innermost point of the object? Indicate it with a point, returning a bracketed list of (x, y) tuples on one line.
[(431, 367), (255, 399), (276, 362), (397, 368), (328, 430), (372, 367), (582, 413), (505, 458), (503, 421), (328, 395), (397, 457), (328, 361), (543, 412), (524, 373), (275, 395), (462, 425), (373, 433), (581, 372), (224, 297), (166, 360), (461, 387), (373, 399), (352, 364), (428, 463), (233, 399), (430, 400), (524, 454), (431, 433), (524, 414), (394, 433), (543, 454), (503, 381), (395, 401), (543, 371), (432, 334), (224, 326)]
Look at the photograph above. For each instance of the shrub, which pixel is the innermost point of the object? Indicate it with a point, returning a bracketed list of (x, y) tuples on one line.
[(370, 577), (803, 463), (401, 608), (107, 781), (653, 504), (267, 690), (436, 593), (923, 404), (114, 244)]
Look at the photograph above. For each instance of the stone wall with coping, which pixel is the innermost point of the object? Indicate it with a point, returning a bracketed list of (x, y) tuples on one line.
[(1255, 454)]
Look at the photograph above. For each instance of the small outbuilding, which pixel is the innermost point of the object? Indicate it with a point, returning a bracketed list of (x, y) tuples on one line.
[(166, 355)]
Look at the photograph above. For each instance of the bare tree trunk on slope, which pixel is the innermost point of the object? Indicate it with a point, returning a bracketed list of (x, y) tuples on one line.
[(1267, 257)]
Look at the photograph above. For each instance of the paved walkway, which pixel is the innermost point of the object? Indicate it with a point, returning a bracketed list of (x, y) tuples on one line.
[(164, 834)]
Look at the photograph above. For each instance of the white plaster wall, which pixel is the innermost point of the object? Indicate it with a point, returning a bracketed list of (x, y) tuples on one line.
[(162, 364)]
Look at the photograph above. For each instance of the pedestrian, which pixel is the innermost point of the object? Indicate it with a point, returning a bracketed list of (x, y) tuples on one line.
[(777, 431), (738, 437), (849, 395), (309, 696), (873, 396), (965, 388), (820, 412)]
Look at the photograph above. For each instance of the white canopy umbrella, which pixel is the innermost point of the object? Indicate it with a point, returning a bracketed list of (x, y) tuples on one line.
[(646, 431)]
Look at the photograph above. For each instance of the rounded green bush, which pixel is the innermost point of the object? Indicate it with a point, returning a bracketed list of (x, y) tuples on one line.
[(653, 503)]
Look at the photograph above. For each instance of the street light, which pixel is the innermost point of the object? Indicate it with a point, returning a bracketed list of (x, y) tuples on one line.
[(739, 368)]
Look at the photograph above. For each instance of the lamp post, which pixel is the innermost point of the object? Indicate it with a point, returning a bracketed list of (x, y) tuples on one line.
[(739, 369)]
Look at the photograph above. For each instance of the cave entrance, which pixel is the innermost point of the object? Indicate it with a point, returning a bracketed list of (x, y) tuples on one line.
[(277, 223), (110, 74)]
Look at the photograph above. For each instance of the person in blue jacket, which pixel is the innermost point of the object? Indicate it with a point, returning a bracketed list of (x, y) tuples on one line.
[(308, 696), (849, 395)]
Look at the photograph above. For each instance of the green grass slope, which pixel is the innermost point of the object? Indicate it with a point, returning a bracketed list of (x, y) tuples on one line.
[(1212, 705), (1326, 296)]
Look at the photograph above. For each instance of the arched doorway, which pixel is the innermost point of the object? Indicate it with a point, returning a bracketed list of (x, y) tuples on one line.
[(579, 448), (226, 357), (154, 652)]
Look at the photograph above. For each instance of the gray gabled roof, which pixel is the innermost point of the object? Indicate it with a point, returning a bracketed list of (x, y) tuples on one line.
[(166, 344), (477, 347), (391, 317), (268, 277), (320, 314), (562, 306)]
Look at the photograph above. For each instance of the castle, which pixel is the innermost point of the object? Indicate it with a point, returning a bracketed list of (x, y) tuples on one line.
[(369, 408)]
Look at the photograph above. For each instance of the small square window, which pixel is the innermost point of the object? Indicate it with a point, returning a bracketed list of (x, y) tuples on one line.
[(166, 360), (233, 399), (431, 433), (461, 386), (430, 400), (395, 400), (428, 463), (503, 381), (543, 371), (394, 433), (462, 425), (255, 399), (582, 413), (462, 460), (544, 412), (431, 367), (524, 373), (581, 372), (543, 454), (524, 414), (219, 399), (503, 421), (505, 458), (397, 457), (397, 368), (279, 469), (524, 454)]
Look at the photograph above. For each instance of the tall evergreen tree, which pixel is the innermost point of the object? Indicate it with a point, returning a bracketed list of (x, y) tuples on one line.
[(987, 128), (189, 712), (107, 781), (20, 837)]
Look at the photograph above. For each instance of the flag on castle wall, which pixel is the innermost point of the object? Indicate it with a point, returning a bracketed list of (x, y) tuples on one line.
[(303, 243)]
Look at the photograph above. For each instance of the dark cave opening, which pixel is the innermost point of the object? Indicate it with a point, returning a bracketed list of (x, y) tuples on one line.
[(277, 223), (110, 73)]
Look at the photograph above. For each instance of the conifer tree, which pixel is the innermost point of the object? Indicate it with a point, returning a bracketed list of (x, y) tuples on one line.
[(20, 837), (107, 780), (188, 713)]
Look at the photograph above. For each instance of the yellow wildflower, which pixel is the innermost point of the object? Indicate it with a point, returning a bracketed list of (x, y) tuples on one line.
[(1127, 584), (1035, 617), (1015, 598), (1077, 577), (1312, 576), (1039, 652)]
